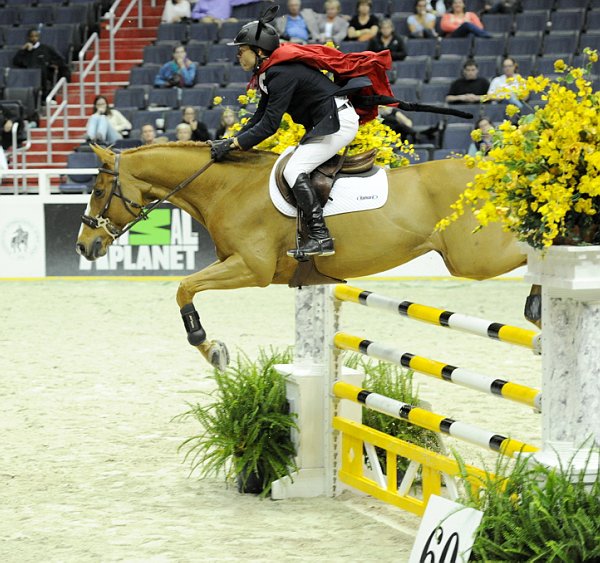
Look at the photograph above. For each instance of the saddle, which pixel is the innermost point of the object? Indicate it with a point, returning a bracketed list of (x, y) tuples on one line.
[(323, 178)]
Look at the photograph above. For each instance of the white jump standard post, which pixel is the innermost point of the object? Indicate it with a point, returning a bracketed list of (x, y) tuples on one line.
[(570, 280), (309, 393)]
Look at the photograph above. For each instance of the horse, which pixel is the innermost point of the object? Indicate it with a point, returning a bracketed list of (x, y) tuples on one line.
[(231, 200)]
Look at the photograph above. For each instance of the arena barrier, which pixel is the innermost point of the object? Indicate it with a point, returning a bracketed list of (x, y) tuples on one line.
[(342, 460)]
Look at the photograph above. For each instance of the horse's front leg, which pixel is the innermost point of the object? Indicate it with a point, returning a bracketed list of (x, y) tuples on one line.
[(232, 273)]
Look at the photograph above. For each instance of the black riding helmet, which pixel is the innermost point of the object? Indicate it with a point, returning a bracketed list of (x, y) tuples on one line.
[(259, 33)]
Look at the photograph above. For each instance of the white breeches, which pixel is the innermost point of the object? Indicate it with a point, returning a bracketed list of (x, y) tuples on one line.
[(318, 150)]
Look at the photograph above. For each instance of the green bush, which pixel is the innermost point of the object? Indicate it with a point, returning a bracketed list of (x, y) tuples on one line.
[(533, 513), (396, 383), (246, 423)]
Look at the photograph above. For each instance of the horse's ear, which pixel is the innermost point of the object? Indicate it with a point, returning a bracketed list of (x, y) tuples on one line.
[(105, 155)]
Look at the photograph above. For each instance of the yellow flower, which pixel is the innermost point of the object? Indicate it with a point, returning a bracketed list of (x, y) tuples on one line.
[(511, 110), (559, 66), (217, 100), (476, 135), (243, 99)]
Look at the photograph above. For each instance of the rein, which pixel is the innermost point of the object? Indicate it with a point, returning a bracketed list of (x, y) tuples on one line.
[(100, 221)]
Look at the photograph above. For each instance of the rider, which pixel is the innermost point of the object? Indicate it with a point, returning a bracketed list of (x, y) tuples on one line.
[(312, 100)]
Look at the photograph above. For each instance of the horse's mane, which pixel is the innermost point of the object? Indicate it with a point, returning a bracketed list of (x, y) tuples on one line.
[(195, 144), (237, 155)]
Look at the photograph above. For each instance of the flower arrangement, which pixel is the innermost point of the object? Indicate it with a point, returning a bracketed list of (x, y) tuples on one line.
[(391, 149), (541, 177)]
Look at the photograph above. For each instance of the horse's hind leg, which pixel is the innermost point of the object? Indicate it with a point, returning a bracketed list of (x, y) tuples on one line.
[(232, 273)]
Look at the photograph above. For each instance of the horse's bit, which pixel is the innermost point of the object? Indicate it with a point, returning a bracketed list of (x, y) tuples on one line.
[(100, 221)]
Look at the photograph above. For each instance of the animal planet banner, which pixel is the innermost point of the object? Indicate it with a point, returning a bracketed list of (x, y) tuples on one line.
[(168, 243), (21, 237)]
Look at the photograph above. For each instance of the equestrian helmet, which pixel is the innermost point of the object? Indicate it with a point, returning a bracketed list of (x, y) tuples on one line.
[(258, 34)]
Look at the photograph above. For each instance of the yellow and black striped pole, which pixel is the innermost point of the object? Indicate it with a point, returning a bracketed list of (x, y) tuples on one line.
[(432, 421), (457, 321), (465, 378)]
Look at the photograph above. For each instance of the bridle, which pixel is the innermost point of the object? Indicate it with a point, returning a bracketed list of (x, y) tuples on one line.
[(100, 221)]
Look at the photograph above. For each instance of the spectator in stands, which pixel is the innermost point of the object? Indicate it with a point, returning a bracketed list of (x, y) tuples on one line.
[(35, 54), (228, 119), (387, 39), (502, 7), (470, 87), (106, 124), (299, 25), (363, 25), (332, 26), (148, 135), (422, 23), (485, 144), (176, 10), (505, 86), (6, 124), (199, 129), (179, 72), (183, 132), (398, 122), (217, 11), (459, 23)]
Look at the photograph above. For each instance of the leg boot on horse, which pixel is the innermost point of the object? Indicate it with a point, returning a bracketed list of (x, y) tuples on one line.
[(319, 241)]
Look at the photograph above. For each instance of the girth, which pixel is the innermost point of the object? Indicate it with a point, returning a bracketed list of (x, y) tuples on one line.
[(324, 176)]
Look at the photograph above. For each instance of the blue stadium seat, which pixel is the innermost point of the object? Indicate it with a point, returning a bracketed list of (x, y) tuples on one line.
[(71, 14), (441, 154), (457, 136), (6, 58), (571, 4), (238, 75), (495, 112), (488, 66), (589, 40), (570, 21), (212, 117), (80, 183), (212, 74), (143, 117), (474, 109), (172, 32), (489, 47), (29, 98), (229, 30), (456, 46), (525, 64), (31, 16), (498, 24), (172, 119), (9, 16), (407, 91), (593, 22), (532, 21), (420, 47), (201, 95), (560, 45), (530, 44), (448, 67), (400, 23), (419, 156), (24, 78), (163, 97), (143, 75), (412, 67), (197, 52), (15, 36), (230, 94), (538, 5), (203, 32), (353, 46), (126, 98), (221, 52), (434, 93), (157, 54)]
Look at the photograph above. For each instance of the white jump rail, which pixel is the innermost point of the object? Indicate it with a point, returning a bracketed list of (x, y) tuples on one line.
[(44, 174)]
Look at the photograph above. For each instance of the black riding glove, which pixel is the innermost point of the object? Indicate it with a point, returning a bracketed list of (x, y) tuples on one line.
[(220, 148)]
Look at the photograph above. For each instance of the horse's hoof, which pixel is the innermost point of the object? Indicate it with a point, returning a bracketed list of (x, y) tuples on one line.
[(218, 355)]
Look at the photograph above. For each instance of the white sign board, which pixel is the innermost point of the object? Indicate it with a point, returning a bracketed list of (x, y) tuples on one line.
[(446, 533), (22, 237)]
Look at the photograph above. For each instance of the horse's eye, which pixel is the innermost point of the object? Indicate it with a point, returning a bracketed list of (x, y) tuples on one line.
[(98, 193)]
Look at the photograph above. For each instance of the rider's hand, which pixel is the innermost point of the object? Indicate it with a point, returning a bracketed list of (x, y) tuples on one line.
[(220, 148)]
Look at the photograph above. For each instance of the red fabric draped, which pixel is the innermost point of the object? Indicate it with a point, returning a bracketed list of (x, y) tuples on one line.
[(343, 66)]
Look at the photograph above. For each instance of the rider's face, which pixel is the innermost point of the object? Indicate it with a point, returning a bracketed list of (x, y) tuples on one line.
[(247, 57)]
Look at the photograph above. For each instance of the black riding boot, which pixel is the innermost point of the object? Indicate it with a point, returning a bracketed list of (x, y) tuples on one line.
[(319, 241)]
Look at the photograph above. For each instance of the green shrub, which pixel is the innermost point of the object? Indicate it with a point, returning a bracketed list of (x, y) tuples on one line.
[(246, 423), (533, 513)]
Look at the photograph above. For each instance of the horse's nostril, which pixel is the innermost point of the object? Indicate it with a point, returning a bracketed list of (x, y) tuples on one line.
[(97, 247), (80, 248)]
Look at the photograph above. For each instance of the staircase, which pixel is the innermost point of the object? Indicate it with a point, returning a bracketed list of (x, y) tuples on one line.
[(129, 46)]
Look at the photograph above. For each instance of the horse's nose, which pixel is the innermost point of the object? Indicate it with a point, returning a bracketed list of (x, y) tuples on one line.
[(80, 248)]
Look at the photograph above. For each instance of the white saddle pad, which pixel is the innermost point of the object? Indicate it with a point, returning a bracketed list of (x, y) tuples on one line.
[(347, 195)]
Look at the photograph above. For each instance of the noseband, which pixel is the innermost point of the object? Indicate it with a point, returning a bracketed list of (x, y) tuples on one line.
[(101, 221)]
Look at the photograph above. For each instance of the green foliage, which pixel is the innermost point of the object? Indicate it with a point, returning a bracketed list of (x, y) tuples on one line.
[(534, 513), (246, 423), (394, 382)]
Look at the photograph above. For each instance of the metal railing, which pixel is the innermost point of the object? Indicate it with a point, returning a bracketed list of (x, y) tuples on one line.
[(44, 174), (114, 25), (93, 65), (55, 112), (18, 151)]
